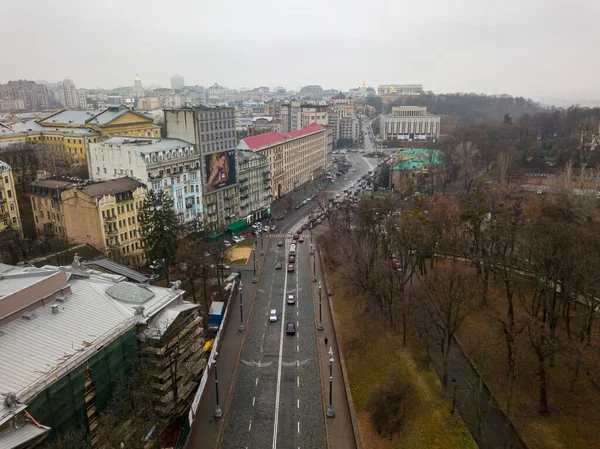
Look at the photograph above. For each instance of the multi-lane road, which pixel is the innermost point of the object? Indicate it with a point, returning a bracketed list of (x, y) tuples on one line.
[(276, 400)]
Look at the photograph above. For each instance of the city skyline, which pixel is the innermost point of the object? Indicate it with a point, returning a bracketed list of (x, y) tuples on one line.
[(464, 47)]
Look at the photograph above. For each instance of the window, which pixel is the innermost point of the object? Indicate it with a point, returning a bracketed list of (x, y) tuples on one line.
[(6, 180), (12, 207), (9, 193)]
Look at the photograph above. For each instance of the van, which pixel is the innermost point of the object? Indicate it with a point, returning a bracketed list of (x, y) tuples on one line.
[(293, 249)]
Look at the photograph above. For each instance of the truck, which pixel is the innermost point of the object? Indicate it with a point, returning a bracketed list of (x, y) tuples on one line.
[(215, 313)]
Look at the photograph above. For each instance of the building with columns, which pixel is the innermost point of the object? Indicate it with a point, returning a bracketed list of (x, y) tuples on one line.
[(409, 123)]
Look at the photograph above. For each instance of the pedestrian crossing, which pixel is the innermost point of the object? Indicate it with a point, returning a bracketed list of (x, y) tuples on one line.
[(281, 236)]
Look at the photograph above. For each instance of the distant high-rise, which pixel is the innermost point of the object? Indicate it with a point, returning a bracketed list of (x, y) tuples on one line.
[(33, 95), (177, 82), (70, 97)]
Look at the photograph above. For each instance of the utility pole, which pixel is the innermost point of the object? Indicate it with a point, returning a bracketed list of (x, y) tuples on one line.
[(262, 250), (254, 264), (330, 412), (320, 313), (242, 328), (218, 411), (314, 279)]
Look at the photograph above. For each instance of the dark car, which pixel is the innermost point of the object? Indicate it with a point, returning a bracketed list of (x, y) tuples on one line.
[(296, 237), (290, 329), (298, 206), (299, 231), (305, 226), (301, 239), (279, 242), (281, 217), (291, 258), (291, 268), (278, 265)]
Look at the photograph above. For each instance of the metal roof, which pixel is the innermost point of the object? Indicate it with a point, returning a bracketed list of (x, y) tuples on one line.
[(146, 144), (165, 318), (68, 117), (111, 187), (20, 435), (128, 292), (37, 352), (116, 268)]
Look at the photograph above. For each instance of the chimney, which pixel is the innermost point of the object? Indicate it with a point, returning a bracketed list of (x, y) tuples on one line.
[(54, 310)]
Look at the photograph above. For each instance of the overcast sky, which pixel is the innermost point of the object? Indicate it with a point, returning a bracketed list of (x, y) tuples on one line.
[(537, 48)]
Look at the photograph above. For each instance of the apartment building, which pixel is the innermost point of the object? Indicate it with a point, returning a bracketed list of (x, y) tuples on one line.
[(47, 204), (296, 115), (212, 130), (70, 97), (169, 165), (295, 158), (105, 215), (9, 206), (255, 185), (34, 96)]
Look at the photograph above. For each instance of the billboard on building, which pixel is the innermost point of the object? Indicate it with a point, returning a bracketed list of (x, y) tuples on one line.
[(219, 170)]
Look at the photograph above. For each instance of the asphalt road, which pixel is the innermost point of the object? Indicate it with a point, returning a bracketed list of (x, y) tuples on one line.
[(276, 400)]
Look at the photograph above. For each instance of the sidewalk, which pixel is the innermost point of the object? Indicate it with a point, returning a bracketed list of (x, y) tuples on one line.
[(340, 434), (206, 429)]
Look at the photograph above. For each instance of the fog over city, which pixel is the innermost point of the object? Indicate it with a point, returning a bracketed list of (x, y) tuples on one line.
[(541, 49)]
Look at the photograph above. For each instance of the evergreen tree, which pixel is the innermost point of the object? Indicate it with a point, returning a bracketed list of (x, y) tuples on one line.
[(159, 226)]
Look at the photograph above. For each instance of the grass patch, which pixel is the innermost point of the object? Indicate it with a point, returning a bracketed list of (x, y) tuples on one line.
[(489, 176), (239, 262), (246, 242), (372, 352)]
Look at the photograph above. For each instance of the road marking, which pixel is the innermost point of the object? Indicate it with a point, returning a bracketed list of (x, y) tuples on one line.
[(298, 381), (297, 335), (298, 426), (297, 323), (278, 391), (297, 362), (298, 406), (253, 400), (297, 348), (256, 383), (250, 426)]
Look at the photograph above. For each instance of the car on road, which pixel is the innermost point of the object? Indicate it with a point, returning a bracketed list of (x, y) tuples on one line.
[(237, 239), (278, 265), (279, 242), (273, 315), (267, 228), (291, 299), (337, 195), (299, 231), (301, 239), (281, 217), (290, 329), (273, 227), (305, 226), (291, 258), (298, 206), (291, 268), (296, 237), (227, 243)]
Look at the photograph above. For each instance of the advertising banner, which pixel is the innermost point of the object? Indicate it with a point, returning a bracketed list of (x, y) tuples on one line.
[(219, 170)]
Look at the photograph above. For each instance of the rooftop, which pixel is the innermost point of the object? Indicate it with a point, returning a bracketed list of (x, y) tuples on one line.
[(33, 126), (264, 140), (111, 113), (147, 144), (67, 117), (417, 158), (107, 265), (247, 155), (38, 350), (53, 183), (313, 127), (111, 187)]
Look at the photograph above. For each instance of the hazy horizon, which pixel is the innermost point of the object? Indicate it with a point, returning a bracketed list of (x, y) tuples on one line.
[(530, 48)]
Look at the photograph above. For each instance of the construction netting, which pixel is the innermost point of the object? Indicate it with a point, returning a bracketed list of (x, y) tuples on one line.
[(62, 406)]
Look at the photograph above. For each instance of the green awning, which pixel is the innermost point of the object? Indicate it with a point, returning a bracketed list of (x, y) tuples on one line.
[(238, 226), (215, 235)]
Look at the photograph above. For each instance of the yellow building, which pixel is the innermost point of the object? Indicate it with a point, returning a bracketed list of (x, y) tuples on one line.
[(71, 131), (105, 215), (9, 207), (47, 205)]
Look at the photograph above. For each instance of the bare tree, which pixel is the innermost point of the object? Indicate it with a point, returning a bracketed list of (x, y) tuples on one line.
[(465, 159)]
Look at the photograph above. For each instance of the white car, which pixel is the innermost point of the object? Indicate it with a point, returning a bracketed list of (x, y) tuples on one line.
[(273, 316), (267, 228), (237, 239)]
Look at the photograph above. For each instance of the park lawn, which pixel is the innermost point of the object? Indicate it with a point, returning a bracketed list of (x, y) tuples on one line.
[(372, 352), (489, 176), (239, 262), (246, 242), (575, 416)]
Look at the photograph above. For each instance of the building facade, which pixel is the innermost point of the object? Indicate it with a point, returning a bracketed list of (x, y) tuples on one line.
[(177, 82), (212, 130), (255, 185), (400, 90), (71, 97), (297, 114), (105, 215), (169, 165), (47, 204), (409, 123), (295, 158), (10, 217), (34, 96)]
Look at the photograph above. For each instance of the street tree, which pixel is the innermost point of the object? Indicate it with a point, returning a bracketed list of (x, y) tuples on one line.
[(160, 229), (465, 158)]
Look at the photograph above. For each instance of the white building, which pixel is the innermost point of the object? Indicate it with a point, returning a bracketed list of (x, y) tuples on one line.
[(255, 185), (296, 115), (169, 165), (409, 123), (70, 97)]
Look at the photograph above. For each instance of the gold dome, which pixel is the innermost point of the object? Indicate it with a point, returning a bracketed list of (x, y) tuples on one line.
[(137, 77)]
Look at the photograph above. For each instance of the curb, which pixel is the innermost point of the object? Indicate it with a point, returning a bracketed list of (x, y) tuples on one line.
[(342, 360)]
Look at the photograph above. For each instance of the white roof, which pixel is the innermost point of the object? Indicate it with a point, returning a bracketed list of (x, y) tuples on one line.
[(36, 352)]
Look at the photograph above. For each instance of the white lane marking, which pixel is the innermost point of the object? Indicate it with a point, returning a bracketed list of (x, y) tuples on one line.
[(297, 362), (297, 348), (297, 335), (297, 381), (298, 403), (298, 426), (256, 383), (250, 426), (278, 391), (253, 400), (297, 323)]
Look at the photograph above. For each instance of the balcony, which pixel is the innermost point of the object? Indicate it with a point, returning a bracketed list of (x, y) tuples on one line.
[(212, 203), (243, 197), (244, 188), (268, 195), (228, 197), (266, 172), (245, 205), (268, 187), (267, 179), (110, 218), (243, 180), (112, 232)]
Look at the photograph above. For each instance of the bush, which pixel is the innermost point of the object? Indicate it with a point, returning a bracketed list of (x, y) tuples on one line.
[(389, 404)]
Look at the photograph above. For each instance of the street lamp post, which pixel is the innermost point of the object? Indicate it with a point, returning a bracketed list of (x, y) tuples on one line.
[(320, 314), (314, 279), (330, 412), (454, 395), (262, 250), (242, 328), (218, 411), (254, 264)]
